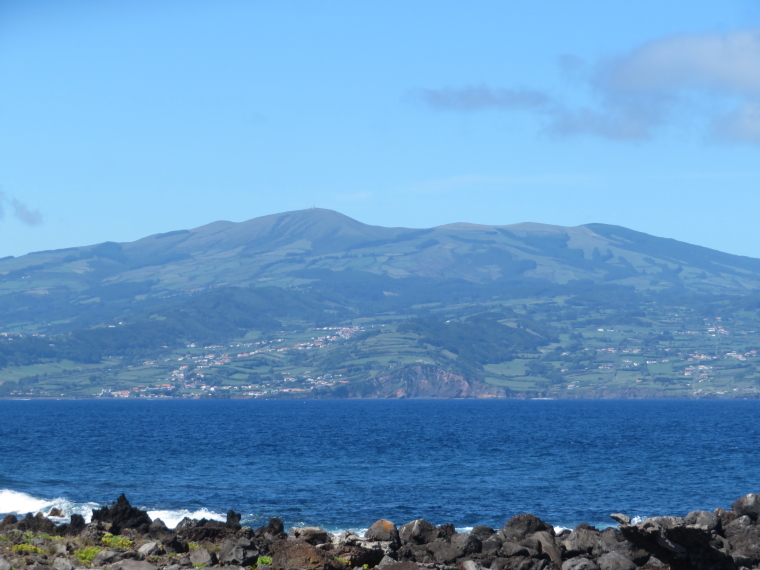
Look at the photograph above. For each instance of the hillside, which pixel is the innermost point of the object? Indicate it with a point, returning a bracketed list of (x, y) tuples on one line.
[(308, 247)]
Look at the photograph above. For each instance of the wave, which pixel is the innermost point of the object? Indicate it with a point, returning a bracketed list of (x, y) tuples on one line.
[(171, 518), (17, 503)]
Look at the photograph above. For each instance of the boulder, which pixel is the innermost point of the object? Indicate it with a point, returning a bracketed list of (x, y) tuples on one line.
[(150, 549), (492, 543), (579, 563), (521, 526), (238, 552), (621, 518), (482, 531), (418, 532), (233, 520), (62, 564), (467, 542), (122, 515), (509, 549), (158, 528), (311, 534), (300, 555), (106, 557), (175, 545), (748, 505), (581, 540), (203, 557), (402, 566), (37, 524), (357, 556), (703, 519), (8, 521), (74, 527), (382, 530), (549, 546), (615, 561), (444, 552), (470, 565), (4, 564), (132, 565), (521, 563)]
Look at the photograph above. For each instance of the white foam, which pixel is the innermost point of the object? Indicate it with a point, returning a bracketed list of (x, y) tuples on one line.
[(637, 520), (560, 529), (17, 503), (171, 518)]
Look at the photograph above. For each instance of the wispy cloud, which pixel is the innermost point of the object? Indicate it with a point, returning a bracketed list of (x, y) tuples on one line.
[(636, 93), (20, 210)]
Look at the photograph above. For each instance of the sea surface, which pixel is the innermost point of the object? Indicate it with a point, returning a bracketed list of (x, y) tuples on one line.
[(344, 464)]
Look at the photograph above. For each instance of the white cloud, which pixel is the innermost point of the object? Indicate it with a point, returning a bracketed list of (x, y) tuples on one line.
[(636, 93)]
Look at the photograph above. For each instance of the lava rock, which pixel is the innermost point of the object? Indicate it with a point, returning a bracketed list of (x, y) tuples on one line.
[(579, 563), (311, 534), (382, 530), (203, 557), (521, 526), (239, 552), (418, 532), (122, 515), (300, 555)]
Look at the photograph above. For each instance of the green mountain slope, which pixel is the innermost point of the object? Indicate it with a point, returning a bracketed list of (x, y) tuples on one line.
[(319, 248)]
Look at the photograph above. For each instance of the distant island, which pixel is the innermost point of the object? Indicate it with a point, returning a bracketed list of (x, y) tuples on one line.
[(313, 304)]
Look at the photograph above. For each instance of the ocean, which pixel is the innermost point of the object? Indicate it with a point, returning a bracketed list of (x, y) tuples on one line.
[(343, 464)]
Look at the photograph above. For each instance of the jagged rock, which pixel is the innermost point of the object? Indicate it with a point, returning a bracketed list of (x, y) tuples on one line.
[(579, 563), (8, 521), (158, 528), (122, 515), (387, 561), (233, 520), (615, 561), (74, 527), (747, 505), (382, 530), (240, 552), (203, 556), (621, 518), (446, 531), (347, 538), (703, 519), (467, 543), (37, 523), (93, 531), (300, 555), (311, 534), (492, 543), (62, 564), (418, 532), (521, 526), (549, 546), (581, 540)]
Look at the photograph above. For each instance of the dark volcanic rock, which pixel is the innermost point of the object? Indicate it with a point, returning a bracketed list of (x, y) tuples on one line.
[(615, 561), (521, 526), (382, 530), (467, 543), (357, 556), (482, 531), (238, 552), (747, 505), (122, 515), (233, 520), (8, 521), (311, 534), (579, 564), (300, 555), (444, 552), (418, 532), (582, 540), (37, 523), (76, 526)]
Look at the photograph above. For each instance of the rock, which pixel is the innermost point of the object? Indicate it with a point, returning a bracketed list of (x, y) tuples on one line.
[(747, 505), (467, 543), (300, 555), (175, 545), (509, 549), (549, 546), (8, 520), (444, 552), (579, 563), (581, 540), (233, 520), (37, 523), (520, 563), (482, 531), (158, 528), (204, 557), (62, 564), (275, 527), (418, 532), (132, 565), (470, 565), (357, 556), (402, 566), (173, 567), (386, 561), (615, 561), (105, 557), (150, 549), (55, 512), (382, 530), (4, 564), (239, 552), (74, 527), (492, 543), (703, 519), (521, 526), (311, 534), (621, 518), (122, 515), (59, 549)]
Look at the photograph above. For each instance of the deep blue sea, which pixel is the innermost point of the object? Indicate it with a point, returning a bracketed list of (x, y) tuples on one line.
[(344, 464)]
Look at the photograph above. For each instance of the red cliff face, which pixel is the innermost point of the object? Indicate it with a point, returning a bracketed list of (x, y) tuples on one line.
[(428, 381)]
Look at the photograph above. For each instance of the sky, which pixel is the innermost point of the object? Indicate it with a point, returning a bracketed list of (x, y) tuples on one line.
[(122, 119)]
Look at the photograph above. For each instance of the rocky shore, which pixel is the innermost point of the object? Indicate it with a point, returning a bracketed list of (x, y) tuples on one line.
[(121, 537)]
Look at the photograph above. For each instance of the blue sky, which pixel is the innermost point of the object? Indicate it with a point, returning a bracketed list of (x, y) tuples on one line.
[(122, 119)]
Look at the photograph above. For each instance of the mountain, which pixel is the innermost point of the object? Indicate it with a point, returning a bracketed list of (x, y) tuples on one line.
[(306, 248)]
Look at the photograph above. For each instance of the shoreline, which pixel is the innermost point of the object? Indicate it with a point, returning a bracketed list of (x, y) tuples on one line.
[(122, 537)]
